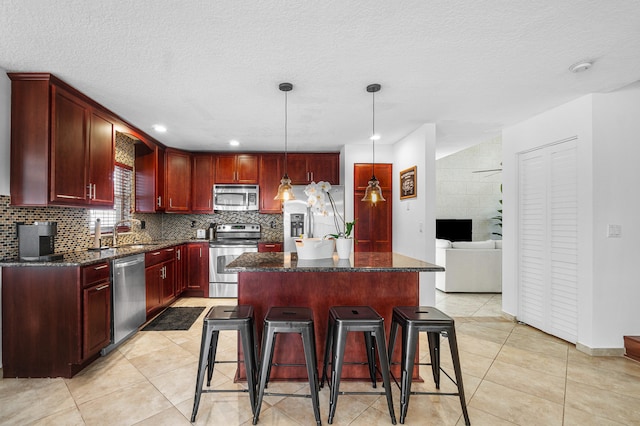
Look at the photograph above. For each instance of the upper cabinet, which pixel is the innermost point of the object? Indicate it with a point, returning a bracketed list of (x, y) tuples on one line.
[(236, 168), (62, 145), (149, 178), (177, 181), (304, 168), (202, 183), (271, 171)]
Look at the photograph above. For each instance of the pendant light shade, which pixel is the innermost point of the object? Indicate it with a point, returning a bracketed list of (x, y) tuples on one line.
[(373, 193), (285, 191)]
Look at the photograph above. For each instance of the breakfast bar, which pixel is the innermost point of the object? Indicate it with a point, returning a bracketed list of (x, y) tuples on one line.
[(379, 280)]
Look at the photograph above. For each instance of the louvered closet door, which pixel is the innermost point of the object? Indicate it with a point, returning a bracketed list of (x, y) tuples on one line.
[(548, 218)]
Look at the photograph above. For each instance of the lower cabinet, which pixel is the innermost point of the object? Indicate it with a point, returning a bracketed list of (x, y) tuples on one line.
[(55, 319), (198, 270), (159, 279), (267, 247)]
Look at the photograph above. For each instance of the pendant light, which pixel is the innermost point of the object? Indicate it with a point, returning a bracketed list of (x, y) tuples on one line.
[(285, 191), (373, 194)]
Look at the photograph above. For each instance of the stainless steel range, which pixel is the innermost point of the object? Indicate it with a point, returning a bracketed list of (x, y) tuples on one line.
[(231, 241)]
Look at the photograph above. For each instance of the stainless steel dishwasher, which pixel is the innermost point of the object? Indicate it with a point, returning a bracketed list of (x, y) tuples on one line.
[(128, 299)]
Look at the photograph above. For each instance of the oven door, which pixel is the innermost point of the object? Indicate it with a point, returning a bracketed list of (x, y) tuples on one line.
[(223, 283)]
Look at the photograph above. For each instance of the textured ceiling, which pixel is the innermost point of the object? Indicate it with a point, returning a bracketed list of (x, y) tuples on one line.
[(209, 70)]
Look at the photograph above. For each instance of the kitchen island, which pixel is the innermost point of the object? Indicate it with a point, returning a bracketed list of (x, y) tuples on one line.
[(380, 280)]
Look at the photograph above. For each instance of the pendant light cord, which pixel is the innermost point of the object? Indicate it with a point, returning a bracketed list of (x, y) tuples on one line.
[(285, 131), (373, 136)]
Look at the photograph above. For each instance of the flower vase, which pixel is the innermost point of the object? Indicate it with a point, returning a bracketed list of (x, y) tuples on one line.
[(343, 247)]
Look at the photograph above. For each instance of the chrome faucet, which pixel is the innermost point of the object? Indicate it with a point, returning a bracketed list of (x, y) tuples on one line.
[(115, 229)]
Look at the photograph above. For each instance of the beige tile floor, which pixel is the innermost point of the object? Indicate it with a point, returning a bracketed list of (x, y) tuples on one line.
[(513, 374)]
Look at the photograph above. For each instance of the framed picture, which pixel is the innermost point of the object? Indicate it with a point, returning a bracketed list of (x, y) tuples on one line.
[(408, 183)]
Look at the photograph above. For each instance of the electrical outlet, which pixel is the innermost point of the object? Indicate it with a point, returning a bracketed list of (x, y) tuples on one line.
[(614, 231)]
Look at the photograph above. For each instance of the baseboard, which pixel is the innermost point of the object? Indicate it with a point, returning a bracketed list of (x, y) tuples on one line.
[(599, 351), (509, 317)]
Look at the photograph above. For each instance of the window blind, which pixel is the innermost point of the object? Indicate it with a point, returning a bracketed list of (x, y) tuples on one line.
[(122, 185)]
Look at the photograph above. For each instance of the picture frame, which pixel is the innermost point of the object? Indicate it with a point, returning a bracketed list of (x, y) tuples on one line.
[(408, 183)]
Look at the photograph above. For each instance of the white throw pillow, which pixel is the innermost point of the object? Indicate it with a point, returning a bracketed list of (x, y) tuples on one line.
[(489, 244), (440, 243)]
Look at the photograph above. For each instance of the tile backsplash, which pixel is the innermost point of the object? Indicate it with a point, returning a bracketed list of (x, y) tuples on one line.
[(74, 234)]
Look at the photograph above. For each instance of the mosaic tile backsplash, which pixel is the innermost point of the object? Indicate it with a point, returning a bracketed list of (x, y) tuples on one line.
[(74, 234)]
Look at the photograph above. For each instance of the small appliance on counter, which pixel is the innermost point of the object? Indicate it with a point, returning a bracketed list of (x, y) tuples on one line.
[(36, 242)]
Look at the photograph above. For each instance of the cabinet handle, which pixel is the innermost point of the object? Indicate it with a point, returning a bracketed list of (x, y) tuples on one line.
[(159, 200), (72, 197), (169, 249), (270, 245), (200, 251), (94, 191), (170, 202), (89, 186), (178, 253), (97, 268), (155, 254), (311, 173), (102, 287), (209, 203)]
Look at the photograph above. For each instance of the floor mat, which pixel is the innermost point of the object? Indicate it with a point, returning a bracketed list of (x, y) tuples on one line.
[(178, 318)]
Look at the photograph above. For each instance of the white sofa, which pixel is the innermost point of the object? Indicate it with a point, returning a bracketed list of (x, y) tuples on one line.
[(470, 266)]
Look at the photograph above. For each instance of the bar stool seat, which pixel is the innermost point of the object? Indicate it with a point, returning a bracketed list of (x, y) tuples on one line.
[(342, 320), (413, 320), (288, 320), (221, 318)]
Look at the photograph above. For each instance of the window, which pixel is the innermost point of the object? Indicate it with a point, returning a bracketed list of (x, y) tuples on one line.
[(122, 177)]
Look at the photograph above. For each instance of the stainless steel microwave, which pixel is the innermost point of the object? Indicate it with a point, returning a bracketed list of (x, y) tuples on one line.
[(238, 198)]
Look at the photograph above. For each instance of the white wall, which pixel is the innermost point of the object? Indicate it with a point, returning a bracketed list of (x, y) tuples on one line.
[(606, 127), (5, 131), (414, 224)]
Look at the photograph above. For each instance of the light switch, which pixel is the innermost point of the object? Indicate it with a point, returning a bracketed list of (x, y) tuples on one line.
[(614, 231)]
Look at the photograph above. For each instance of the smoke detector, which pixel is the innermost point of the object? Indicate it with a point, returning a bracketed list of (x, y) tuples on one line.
[(580, 66)]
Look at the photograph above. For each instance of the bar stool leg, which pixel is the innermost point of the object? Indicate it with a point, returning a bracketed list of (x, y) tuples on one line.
[(384, 368), (409, 342), (213, 348), (453, 346), (249, 363), (339, 344), (328, 344), (434, 353), (265, 364), (308, 343), (371, 357), (392, 339), (205, 349)]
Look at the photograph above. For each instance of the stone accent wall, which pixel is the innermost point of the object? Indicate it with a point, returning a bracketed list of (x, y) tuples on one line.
[(462, 194)]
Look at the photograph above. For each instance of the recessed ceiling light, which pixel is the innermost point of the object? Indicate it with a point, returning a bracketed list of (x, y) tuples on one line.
[(234, 142), (159, 128), (580, 66)]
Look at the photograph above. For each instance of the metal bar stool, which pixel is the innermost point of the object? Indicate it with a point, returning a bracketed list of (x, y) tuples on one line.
[(413, 320), (288, 320), (220, 318), (342, 320)]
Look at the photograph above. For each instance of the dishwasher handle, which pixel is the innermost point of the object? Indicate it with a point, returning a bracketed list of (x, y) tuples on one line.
[(118, 264)]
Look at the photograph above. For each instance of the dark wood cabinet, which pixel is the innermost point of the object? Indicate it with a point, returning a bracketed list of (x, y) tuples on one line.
[(181, 269), (62, 145), (202, 183), (177, 181), (198, 270), (304, 168), (271, 171), (373, 226), (159, 279), (149, 178), (55, 319), (269, 247), (236, 168)]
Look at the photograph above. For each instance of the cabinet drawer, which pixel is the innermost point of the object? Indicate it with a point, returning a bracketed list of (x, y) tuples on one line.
[(268, 247), (95, 273), (157, 256)]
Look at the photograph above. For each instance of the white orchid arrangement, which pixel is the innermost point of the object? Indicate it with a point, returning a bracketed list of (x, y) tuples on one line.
[(317, 194)]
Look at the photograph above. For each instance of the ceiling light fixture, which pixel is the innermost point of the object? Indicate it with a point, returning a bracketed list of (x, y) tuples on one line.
[(580, 66), (234, 142), (285, 191), (373, 194), (159, 128)]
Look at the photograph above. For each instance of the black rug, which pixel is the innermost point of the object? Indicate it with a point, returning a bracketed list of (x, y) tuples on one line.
[(179, 318)]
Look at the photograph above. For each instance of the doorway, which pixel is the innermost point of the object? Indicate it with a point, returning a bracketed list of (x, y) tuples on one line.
[(373, 222)]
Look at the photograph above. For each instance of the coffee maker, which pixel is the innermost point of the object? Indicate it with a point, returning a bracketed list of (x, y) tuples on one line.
[(36, 242)]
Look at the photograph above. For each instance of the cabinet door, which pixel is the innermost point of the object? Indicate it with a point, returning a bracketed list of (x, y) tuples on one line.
[(202, 183), (297, 169), (68, 149), (225, 168), (101, 160), (178, 181), (271, 171), (198, 269), (96, 332), (324, 167), (373, 227), (149, 178), (168, 282), (152, 280), (181, 269), (247, 168)]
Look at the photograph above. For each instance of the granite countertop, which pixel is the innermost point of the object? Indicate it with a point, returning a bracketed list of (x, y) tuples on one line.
[(358, 262), (88, 257)]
